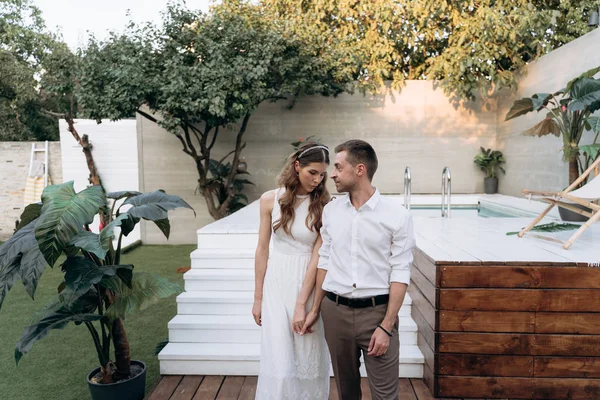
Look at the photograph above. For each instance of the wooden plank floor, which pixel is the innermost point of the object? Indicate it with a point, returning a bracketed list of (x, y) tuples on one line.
[(193, 387)]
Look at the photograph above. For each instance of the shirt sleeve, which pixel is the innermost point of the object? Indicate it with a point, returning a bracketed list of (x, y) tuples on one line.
[(325, 249), (401, 257)]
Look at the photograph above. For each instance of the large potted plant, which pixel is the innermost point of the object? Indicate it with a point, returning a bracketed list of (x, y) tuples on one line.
[(568, 115), (98, 290), (489, 161)]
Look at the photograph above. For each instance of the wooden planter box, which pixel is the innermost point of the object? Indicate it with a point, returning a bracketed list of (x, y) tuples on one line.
[(513, 330)]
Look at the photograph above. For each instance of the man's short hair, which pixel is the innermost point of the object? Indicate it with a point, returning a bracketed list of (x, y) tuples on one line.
[(360, 152)]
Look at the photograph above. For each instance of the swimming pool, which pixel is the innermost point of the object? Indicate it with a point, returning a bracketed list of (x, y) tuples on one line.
[(471, 211)]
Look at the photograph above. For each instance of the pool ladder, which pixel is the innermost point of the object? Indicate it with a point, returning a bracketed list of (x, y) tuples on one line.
[(446, 192), (407, 188)]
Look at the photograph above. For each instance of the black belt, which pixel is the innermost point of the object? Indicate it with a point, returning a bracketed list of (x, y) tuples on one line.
[(359, 303)]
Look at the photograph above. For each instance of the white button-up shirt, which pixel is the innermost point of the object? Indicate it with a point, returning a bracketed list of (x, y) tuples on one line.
[(365, 250)]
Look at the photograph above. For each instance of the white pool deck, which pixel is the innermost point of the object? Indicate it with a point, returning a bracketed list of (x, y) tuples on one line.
[(468, 240)]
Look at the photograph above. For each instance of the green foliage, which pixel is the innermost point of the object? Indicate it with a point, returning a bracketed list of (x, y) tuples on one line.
[(203, 75), (568, 115), (489, 160), (97, 289), (473, 47), (24, 46)]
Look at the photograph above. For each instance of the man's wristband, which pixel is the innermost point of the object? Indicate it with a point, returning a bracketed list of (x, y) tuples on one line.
[(383, 329)]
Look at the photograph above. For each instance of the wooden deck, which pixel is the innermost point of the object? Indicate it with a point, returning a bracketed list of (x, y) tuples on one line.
[(194, 387)]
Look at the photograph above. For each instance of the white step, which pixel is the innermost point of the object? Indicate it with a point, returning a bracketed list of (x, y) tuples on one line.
[(243, 329), (227, 240), (219, 279), (243, 359), (230, 303), (222, 258)]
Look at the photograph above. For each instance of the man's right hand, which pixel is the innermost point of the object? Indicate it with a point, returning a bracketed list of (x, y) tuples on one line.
[(311, 318), (257, 312)]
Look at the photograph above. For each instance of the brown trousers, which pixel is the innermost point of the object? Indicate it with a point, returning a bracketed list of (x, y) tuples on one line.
[(348, 331)]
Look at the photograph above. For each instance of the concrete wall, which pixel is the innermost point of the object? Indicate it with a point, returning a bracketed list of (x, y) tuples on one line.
[(533, 162), (418, 127), (115, 152), (14, 168)]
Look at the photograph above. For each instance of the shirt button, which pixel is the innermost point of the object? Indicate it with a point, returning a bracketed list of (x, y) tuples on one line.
[(354, 285)]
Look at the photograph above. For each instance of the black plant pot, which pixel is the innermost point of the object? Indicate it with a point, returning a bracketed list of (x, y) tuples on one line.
[(130, 389), (571, 216), (490, 185)]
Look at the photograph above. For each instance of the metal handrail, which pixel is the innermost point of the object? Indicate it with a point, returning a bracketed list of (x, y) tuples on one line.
[(446, 192), (407, 188)]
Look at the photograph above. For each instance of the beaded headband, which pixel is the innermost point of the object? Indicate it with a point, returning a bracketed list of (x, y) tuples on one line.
[(312, 148)]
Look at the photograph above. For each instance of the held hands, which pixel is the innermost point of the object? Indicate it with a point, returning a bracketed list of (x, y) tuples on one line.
[(311, 319), (257, 312), (299, 318), (380, 342)]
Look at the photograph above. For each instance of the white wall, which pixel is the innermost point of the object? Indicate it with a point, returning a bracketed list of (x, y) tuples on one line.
[(418, 127), (115, 152)]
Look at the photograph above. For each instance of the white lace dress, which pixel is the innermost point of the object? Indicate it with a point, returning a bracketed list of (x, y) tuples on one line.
[(292, 367)]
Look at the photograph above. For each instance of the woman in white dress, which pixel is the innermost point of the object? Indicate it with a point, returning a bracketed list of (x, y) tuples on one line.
[(292, 366)]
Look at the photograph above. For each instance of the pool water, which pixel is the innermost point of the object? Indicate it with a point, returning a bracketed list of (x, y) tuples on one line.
[(460, 212)]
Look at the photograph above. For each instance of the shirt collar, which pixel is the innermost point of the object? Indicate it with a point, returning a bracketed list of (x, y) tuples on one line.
[(371, 203)]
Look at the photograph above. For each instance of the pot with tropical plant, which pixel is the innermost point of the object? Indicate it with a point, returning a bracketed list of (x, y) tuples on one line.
[(489, 161), (568, 116), (98, 290)]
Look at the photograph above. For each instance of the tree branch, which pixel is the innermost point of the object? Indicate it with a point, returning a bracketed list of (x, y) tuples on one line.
[(146, 115), (185, 150), (214, 139), (236, 159)]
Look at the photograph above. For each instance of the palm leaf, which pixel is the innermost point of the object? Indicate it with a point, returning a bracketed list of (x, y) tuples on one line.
[(551, 227)]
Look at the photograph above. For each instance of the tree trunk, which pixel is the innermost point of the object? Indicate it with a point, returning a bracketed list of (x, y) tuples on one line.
[(122, 350), (119, 336), (573, 169)]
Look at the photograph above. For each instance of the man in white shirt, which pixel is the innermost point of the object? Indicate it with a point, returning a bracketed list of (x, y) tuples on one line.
[(364, 270)]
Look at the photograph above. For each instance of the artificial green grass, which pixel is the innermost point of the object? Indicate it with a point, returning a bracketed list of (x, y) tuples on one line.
[(57, 366)]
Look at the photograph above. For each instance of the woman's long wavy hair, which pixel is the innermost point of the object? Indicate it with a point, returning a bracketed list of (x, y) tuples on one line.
[(288, 178)]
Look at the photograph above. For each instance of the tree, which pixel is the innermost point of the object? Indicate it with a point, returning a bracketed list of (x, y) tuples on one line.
[(471, 46), (24, 44), (198, 74)]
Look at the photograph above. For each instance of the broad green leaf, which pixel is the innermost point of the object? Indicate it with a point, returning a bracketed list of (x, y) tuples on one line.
[(36, 332), (539, 100), (520, 107), (592, 150), (64, 213), (146, 290), (584, 92), (31, 213), (22, 248), (98, 244), (594, 123), (164, 225), (154, 206), (588, 74), (8, 276), (81, 274)]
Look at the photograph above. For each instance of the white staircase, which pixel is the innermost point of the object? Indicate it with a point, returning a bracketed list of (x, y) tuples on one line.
[(214, 332)]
